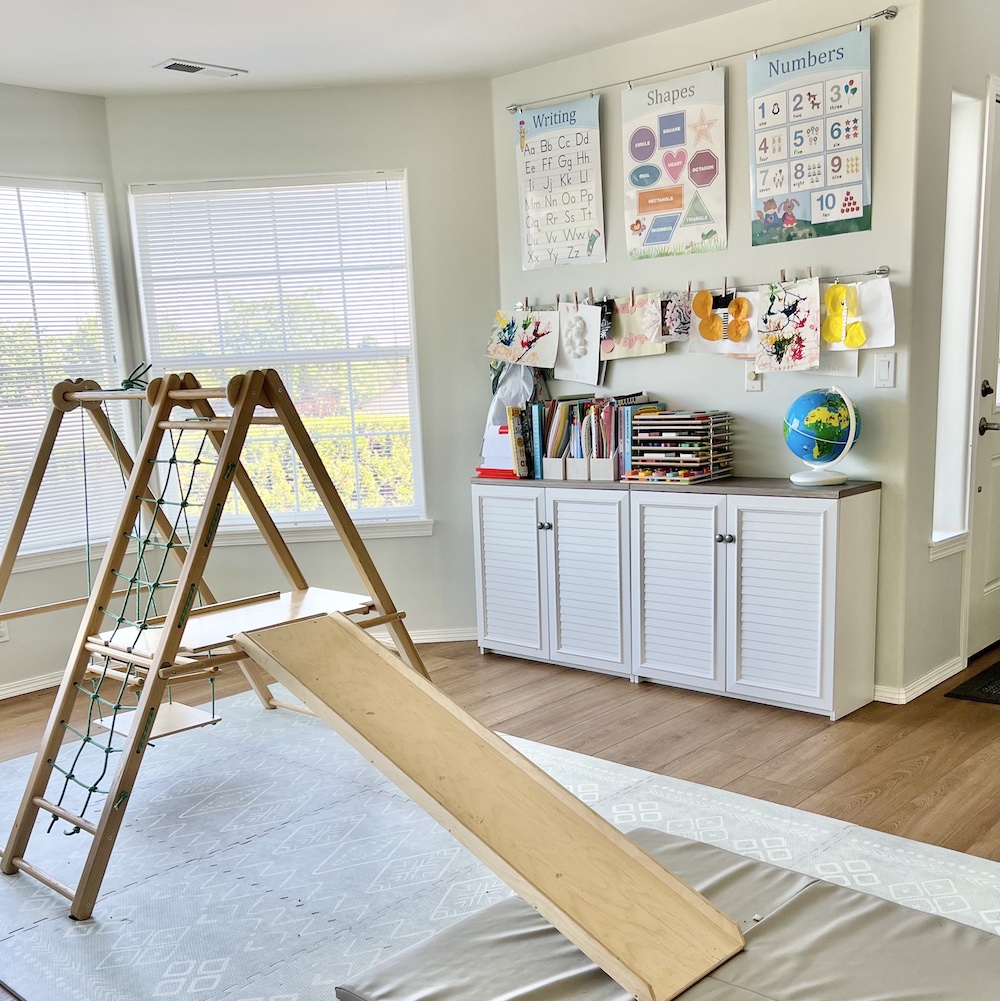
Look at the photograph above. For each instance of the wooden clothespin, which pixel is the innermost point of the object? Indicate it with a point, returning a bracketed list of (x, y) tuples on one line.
[(631, 296), (725, 284), (590, 294), (557, 300), (809, 271), (689, 288), (782, 276), (576, 302), (526, 306)]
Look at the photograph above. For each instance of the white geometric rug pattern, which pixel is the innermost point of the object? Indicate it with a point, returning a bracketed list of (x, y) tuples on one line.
[(264, 860)]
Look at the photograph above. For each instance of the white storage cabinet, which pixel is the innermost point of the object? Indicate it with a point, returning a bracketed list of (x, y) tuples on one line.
[(769, 598), (552, 574)]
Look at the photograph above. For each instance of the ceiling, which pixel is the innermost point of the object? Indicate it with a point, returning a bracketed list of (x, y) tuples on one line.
[(108, 47)]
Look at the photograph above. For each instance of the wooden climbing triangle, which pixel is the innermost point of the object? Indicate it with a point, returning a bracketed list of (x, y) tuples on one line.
[(127, 655)]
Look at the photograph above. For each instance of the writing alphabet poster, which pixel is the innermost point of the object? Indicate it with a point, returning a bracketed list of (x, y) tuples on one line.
[(674, 135), (810, 140), (559, 180)]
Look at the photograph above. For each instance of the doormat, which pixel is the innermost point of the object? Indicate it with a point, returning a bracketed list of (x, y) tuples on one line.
[(983, 687)]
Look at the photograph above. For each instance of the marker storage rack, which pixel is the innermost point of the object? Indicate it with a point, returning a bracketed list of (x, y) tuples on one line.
[(681, 446)]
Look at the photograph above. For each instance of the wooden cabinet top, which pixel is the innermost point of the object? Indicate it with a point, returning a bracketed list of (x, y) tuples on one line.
[(762, 486)]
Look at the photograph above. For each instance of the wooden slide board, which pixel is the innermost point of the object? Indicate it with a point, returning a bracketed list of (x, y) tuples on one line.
[(645, 928)]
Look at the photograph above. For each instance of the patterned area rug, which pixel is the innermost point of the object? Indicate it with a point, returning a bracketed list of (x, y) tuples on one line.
[(262, 859)]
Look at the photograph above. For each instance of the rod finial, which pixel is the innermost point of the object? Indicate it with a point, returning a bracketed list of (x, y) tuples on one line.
[(890, 12)]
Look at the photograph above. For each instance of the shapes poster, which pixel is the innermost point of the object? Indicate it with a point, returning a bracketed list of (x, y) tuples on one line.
[(525, 337), (579, 355), (674, 135), (810, 140), (788, 324), (559, 181), (636, 328)]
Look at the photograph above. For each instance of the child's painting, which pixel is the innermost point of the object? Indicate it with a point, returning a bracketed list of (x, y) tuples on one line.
[(636, 328), (676, 316), (525, 337), (788, 325), (858, 315), (724, 324), (579, 356)]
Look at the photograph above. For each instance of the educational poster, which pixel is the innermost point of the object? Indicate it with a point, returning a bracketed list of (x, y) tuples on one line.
[(788, 326), (579, 356), (674, 135), (858, 315), (724, 324), (525, 337), (810, 140), (559, 180), (636, 328)]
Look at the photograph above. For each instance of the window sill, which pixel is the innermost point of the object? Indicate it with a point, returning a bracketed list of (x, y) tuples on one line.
[(248, 536), (947, 545)]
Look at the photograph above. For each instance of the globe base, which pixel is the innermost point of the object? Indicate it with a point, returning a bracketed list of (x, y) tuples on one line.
[(817, 476)]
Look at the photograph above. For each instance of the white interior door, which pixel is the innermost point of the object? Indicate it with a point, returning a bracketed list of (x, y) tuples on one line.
[(984, 537)]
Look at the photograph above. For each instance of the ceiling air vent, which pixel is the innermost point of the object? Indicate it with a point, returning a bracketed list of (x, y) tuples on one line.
[(201, 69)]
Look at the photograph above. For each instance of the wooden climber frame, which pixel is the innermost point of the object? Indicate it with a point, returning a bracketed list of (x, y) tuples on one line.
[(188, 642)]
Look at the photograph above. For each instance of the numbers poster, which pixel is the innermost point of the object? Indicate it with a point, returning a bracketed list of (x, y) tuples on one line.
[(674, 135), (810, 139), (559, 179)]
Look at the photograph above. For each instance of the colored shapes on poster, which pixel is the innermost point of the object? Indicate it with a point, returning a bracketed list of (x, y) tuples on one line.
[(642, 145), (704, 168), (643, 177), (673, 163), (671, 128), (684, 119), (661, 229), (660, 199)]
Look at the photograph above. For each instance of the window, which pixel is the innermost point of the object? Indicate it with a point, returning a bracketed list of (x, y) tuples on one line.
[(311, 278), (57, 320)]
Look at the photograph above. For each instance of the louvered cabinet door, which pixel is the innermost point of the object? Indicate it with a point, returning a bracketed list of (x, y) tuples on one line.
[(782, 596), (588, 568), (511, 607), (679, 584)]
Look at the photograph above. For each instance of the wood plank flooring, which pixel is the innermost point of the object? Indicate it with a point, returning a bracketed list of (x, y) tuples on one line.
[(929, 770)]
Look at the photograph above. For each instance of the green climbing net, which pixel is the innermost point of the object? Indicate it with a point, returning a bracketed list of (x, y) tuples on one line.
[(181, 478)]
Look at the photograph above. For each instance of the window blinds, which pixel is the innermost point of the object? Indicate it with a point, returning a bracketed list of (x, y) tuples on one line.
[(312, 279), (57, 320)]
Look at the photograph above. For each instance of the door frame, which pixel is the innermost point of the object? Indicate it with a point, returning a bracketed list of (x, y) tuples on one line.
[(991, 133)]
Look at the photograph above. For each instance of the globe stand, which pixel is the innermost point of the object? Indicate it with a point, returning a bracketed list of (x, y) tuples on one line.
[(824, 475)]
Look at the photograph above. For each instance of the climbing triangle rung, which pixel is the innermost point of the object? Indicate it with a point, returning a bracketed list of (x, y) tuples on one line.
[(70, 818), (43, 877)]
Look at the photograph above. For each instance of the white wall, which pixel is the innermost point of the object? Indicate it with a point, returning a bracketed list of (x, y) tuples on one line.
[(692, 380), (441, 135)]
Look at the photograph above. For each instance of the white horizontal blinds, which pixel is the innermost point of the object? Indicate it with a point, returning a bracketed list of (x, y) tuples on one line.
[(57, 321), (313, 280)]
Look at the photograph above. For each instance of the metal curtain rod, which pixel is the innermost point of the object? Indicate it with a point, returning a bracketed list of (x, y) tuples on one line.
[(888, 13)]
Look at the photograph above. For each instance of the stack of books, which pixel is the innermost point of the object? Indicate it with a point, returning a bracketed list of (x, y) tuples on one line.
[(681, 446)]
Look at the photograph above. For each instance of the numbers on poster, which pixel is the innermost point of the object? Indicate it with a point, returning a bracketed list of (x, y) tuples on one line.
[(811, 161)]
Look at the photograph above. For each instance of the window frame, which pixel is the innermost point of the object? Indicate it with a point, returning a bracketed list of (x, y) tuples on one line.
[(308, 526)]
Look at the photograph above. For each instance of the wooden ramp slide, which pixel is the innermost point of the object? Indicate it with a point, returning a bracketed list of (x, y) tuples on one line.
[(645, 928)]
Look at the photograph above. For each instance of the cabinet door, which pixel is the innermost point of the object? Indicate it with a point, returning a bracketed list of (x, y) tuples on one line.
[(588, 564), (782, 588), (678, 579), (511, 608)]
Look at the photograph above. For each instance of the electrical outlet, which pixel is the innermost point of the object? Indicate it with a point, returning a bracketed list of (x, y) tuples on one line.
[(753, 382), (4, 635)]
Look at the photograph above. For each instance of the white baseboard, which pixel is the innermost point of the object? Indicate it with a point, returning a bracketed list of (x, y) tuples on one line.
[(900, 696), (27, 685), (428, 636)]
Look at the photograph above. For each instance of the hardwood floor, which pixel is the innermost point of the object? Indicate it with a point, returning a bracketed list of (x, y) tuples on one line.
[(929, 770)]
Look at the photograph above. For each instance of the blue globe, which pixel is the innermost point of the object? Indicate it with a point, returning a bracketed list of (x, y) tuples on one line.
[(817, 426)]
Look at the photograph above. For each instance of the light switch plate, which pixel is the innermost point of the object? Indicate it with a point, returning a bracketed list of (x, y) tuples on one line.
[(885, 369), (753, 382)]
